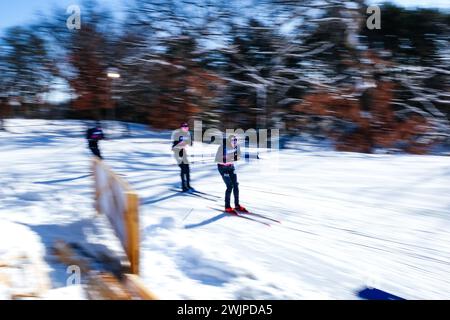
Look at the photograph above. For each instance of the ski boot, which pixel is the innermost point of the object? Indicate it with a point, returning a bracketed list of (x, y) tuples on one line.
[(230, 211), (240, 208)]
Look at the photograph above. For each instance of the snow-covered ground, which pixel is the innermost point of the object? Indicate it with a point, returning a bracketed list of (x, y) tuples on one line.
[(347, 220)]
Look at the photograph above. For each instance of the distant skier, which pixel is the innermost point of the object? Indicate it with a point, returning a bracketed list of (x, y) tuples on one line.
[(94, 135), (228, 153), (181, 138)]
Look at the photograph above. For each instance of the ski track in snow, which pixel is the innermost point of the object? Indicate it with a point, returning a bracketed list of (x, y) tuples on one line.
[(347, 220)]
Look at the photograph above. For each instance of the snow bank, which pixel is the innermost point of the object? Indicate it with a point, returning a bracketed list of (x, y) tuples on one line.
[(22, 269)]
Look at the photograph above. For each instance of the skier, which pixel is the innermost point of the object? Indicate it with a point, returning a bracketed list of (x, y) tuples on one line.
[(181, 138), (94, 135), (228, 153)]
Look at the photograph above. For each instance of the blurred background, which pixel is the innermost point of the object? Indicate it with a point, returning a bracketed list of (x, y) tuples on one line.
[(328, 74), (309, 68)]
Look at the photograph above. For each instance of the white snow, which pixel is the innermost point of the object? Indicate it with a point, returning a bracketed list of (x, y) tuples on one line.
[(72, 292), (21, 265), (348, 220)]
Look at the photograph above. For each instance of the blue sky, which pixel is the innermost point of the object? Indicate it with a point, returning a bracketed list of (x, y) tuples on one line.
[(16, 12)]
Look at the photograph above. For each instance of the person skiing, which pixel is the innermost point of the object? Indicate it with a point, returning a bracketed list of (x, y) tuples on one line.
[(228, 153), (94, 135), (181, 138)]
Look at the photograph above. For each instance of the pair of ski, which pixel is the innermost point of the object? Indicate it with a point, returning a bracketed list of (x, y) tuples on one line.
[(255, 217)]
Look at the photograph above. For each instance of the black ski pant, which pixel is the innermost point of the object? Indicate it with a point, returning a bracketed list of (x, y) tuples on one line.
[(185, 176), (229, 176), (95, 150)]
